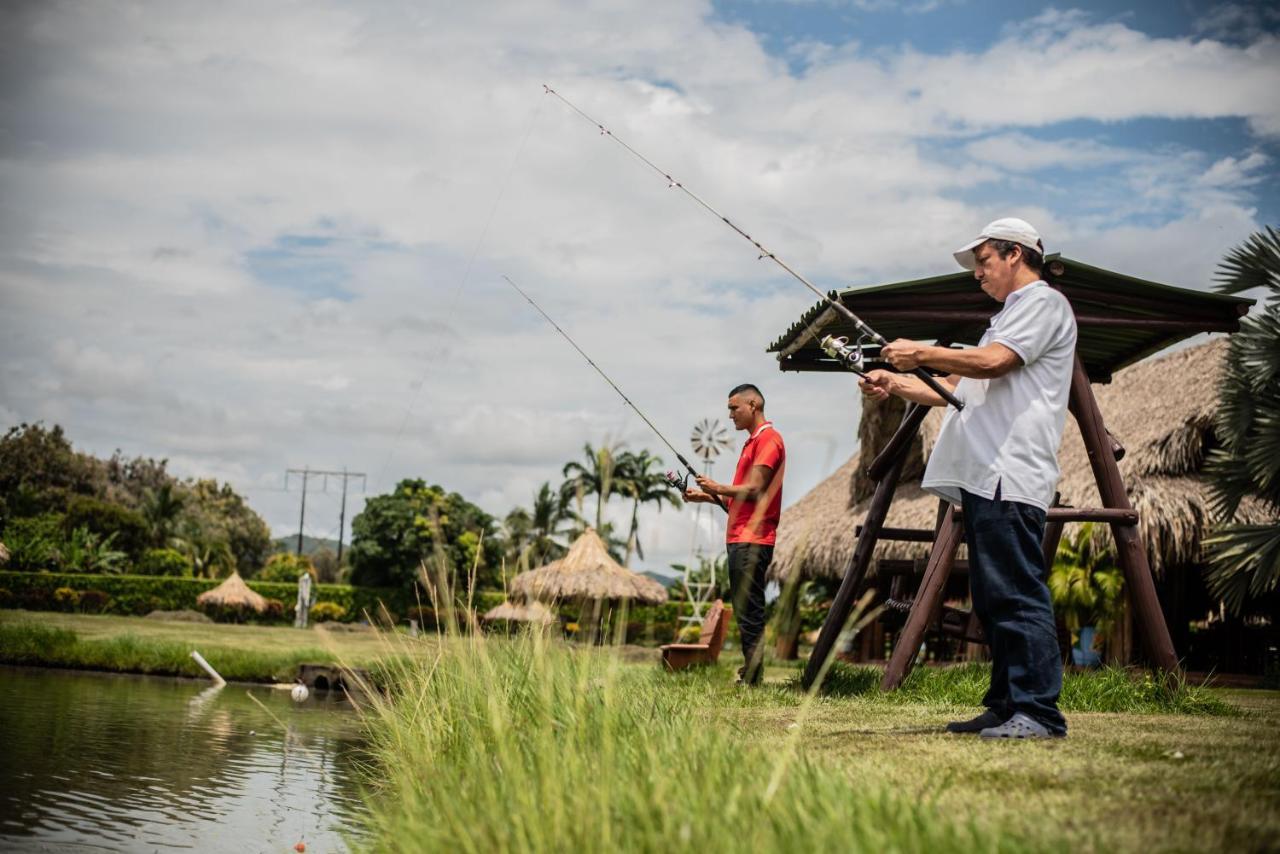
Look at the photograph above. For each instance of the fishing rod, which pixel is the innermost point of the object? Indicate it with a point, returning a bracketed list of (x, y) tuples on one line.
[(681, 482), (851, 355)]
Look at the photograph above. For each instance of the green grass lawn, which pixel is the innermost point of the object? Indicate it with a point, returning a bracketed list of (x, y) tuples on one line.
[(1119, 781), (483, 738), (137, 645)]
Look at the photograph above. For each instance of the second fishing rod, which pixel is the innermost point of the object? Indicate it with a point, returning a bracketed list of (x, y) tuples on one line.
[(849, 355), (681, 482)]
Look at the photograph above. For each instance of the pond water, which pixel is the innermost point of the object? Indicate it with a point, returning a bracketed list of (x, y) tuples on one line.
[(95, 762)]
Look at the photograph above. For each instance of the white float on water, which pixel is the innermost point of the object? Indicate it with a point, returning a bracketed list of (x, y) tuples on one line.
[(299, 693)]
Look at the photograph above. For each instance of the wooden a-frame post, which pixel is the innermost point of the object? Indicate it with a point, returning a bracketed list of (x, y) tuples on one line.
[(927, 605)]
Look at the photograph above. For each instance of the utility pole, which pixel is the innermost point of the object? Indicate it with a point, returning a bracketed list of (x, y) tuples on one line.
[(302, 517), (342, 514), (306, 473)]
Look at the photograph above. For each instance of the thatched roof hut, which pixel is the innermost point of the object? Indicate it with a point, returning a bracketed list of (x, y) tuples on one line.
[(527, 612), (4, 555), (233, 593), (587, 572), (1161, 410)]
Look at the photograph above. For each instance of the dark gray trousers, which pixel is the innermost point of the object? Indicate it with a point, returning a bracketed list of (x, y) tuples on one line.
[(748, 566)]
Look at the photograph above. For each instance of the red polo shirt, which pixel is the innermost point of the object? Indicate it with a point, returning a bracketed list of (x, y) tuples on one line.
[(757, 521)]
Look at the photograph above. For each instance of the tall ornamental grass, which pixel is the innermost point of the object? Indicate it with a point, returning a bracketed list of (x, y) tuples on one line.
[(524, 745)]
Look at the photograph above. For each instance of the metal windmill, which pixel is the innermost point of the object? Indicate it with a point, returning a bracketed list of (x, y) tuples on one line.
[(709, 440)]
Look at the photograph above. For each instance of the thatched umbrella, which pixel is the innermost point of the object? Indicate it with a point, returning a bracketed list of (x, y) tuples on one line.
[(587, 572), (527, 612), (1166, 432), (233, 593), (4, 555)]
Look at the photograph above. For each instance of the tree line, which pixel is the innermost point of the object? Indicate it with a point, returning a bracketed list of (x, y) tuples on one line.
[(62, 510), (415, 523)]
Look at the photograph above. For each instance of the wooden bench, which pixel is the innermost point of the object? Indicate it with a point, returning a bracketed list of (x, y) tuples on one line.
[(678, 656)]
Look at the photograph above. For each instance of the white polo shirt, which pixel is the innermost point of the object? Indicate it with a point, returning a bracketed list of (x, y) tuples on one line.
[(1011, 427)]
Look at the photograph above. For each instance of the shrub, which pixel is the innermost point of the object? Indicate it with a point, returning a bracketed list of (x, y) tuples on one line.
[(83, 550), (220, 613), (66, 598), (274, 611), (689, 633), (426, 617), (285, 567), (106, 519), (164, 562), (93, 601), (142, 594), (39, 599), (323, 611), (33, 542), (6, 597)]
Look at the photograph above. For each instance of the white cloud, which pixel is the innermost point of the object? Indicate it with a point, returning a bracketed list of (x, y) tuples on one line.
[(152, 153), (1018, 152)]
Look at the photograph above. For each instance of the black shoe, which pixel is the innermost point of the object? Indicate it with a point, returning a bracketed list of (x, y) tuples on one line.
[(754, 679), (988, 719)]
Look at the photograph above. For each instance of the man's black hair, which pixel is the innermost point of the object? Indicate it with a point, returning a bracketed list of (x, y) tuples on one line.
[(1030, 257), (739, 389)]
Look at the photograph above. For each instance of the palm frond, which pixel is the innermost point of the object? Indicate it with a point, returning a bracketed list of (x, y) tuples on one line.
[(1253, 264), (1245, 563)]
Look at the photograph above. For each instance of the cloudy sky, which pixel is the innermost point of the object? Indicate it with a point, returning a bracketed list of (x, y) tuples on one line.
[(247, 237)]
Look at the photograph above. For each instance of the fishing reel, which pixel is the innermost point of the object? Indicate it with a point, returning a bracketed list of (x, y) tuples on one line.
[(849, 355), (680, 482)]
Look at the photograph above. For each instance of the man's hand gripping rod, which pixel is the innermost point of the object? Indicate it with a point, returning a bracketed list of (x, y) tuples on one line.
[(865, 332), (672, 478)]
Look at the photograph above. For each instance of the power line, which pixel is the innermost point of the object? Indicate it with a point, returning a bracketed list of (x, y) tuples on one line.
[(307, 473)]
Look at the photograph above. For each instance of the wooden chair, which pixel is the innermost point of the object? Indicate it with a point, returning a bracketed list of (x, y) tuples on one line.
[(678, 656)]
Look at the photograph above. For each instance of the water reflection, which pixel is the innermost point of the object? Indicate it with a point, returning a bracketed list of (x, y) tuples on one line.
[(114, 763)]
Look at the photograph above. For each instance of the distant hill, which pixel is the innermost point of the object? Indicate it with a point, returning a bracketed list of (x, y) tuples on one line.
[(661, 577), (310, 545)]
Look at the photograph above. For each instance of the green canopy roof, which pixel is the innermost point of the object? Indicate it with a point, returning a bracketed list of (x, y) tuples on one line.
[(1121, 319)]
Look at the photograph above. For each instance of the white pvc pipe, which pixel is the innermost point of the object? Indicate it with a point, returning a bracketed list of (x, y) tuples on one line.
[(208, 668)]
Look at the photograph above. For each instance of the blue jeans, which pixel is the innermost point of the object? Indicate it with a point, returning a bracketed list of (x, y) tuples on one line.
[(1009, 584)]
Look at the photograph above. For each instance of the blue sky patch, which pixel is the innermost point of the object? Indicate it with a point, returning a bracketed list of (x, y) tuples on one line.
[(307, 264)]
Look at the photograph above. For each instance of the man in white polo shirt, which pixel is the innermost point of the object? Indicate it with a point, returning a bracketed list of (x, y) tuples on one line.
[(998, 460)]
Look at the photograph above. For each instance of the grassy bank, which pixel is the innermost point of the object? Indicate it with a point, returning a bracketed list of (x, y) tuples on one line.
[(523, 746), (137, 645), (515, 746)]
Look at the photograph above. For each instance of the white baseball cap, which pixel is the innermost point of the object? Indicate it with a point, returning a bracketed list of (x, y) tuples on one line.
[(1010, 228)]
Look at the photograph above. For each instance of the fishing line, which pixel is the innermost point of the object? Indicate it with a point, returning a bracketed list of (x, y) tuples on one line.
[(457, 293), (611, 383), (849, 354)]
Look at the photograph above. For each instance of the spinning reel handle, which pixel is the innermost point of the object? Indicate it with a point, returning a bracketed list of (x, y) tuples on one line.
[(681, 482), (849, 355)]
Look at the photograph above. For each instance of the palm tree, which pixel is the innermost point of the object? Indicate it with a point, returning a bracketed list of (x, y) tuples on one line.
[(1244, 559), (612, 542), (210, 555), (534, 537), (547, 525), (516, 529), (595, 477), (642, 486), (161, 508), (1085, 584)]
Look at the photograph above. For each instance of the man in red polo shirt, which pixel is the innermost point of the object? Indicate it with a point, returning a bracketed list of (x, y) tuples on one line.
[(755, 504)]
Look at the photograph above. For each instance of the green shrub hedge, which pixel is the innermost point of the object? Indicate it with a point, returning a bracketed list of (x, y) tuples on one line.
[(141, 594)]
